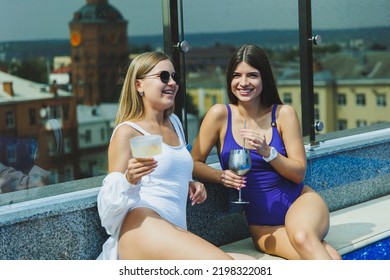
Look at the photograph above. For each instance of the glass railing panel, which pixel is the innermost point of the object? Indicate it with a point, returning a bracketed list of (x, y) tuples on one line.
[(60, 80), (216, 31), (351, 64)]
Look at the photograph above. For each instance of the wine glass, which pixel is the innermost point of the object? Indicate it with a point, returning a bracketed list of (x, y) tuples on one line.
[(146, 146), (240, 163)]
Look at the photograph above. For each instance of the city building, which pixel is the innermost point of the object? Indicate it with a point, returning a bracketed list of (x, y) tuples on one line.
[(39, 127), (98, 38), (351, 89), (95, 126)]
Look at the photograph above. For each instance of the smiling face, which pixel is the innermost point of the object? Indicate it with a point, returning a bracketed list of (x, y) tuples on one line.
[(155, 93), (246, 83)]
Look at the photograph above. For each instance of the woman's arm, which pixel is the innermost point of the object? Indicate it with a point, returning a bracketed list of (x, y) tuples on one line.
[(120, 156), (292, 167), (209, 135)]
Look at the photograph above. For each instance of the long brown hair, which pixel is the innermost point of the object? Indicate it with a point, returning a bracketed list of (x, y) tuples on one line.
[(131, 106), (257, 58)]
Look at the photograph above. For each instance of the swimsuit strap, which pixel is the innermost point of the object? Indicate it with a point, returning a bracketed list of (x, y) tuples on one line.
[(137, 127), (273, 123), (229, 124), (177, 126)]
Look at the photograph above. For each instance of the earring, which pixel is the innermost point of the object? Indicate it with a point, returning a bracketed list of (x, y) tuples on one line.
[(141, 94)]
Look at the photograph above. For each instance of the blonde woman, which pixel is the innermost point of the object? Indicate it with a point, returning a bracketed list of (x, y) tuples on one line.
[(148, 221)]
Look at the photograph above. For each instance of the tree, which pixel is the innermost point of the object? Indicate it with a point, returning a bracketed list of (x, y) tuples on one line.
[(34, 69)]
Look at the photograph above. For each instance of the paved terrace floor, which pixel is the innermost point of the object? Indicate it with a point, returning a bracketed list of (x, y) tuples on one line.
[(351, 228)]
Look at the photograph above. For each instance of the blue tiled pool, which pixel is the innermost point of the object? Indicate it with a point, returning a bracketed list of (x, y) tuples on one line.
[(379, 250)]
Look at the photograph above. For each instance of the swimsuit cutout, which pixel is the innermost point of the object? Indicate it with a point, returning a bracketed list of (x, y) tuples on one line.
[(269, 194)]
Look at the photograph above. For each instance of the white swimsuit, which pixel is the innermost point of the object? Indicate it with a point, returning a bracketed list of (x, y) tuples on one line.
[(168, 198)]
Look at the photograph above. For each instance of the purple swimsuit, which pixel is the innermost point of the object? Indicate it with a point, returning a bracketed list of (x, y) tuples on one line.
[(270, 195)]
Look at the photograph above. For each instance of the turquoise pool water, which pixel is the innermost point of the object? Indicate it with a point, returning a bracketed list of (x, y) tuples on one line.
[(379, 250)]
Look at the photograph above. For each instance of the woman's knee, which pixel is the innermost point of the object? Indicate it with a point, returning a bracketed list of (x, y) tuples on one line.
[(298, 237), (302, 239)]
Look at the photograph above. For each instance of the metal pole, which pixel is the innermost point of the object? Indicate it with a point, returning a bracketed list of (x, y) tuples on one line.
[(170, 19), (306, 67)]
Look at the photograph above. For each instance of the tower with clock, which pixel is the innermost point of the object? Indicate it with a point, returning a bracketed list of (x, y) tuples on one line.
[(98, 39)]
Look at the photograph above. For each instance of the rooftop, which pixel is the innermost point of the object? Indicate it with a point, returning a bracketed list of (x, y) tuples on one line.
[(98, 11), (25, 90)]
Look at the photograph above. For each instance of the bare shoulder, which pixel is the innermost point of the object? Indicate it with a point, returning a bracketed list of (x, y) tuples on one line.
[(218, 111), (123, 133), (119, 148), (286, 111), (214, 120)]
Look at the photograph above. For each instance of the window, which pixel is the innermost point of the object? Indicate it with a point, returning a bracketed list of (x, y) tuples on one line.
[(361, 123), (103, 134), (9, 119), (11, 153), (32, 116), (381, 100), (33, 149), (341, 99), (316, 114), (360, 99), (287, 98), (342, 124), (88, 136), (67, 145), (55, 112)]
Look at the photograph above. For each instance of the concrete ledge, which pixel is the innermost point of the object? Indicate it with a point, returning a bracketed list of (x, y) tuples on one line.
[(351, 228), (66, 224)]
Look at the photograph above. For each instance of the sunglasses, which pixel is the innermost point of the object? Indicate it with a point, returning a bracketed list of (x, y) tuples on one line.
[(165, 76)]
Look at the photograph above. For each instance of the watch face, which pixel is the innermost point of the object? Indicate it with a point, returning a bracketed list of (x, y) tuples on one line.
[(273, 154), (75, 39)]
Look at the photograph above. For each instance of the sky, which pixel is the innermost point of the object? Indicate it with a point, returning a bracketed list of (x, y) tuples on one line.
[(49, 19)]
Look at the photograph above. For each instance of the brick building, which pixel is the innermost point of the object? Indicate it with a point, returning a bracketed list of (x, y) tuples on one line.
[(99, 52)]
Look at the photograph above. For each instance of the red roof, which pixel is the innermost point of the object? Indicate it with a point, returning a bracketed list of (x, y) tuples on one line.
[(63, 69)]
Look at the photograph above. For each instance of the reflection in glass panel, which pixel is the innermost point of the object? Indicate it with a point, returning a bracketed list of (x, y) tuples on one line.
[(64, 85), (352, 62), (224, 26), (60, 81)]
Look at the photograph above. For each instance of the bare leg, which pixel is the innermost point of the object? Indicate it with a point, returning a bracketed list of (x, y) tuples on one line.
[(145, 235), (273, 240), (307, 223)]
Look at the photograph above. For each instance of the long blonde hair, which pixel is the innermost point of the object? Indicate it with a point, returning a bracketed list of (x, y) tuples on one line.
[(131, 106)]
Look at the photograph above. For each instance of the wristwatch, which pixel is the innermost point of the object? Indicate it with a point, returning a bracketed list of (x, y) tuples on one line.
[(272, 155)]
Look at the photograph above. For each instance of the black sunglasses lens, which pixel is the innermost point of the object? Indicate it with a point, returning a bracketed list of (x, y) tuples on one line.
[(176, 77), (164, 77)]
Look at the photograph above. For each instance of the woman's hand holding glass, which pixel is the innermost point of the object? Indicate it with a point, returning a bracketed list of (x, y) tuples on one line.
[(145, 147), (138, 168), (232, 180)]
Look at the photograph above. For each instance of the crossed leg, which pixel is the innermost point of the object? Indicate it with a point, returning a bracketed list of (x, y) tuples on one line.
[(302, 236)]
